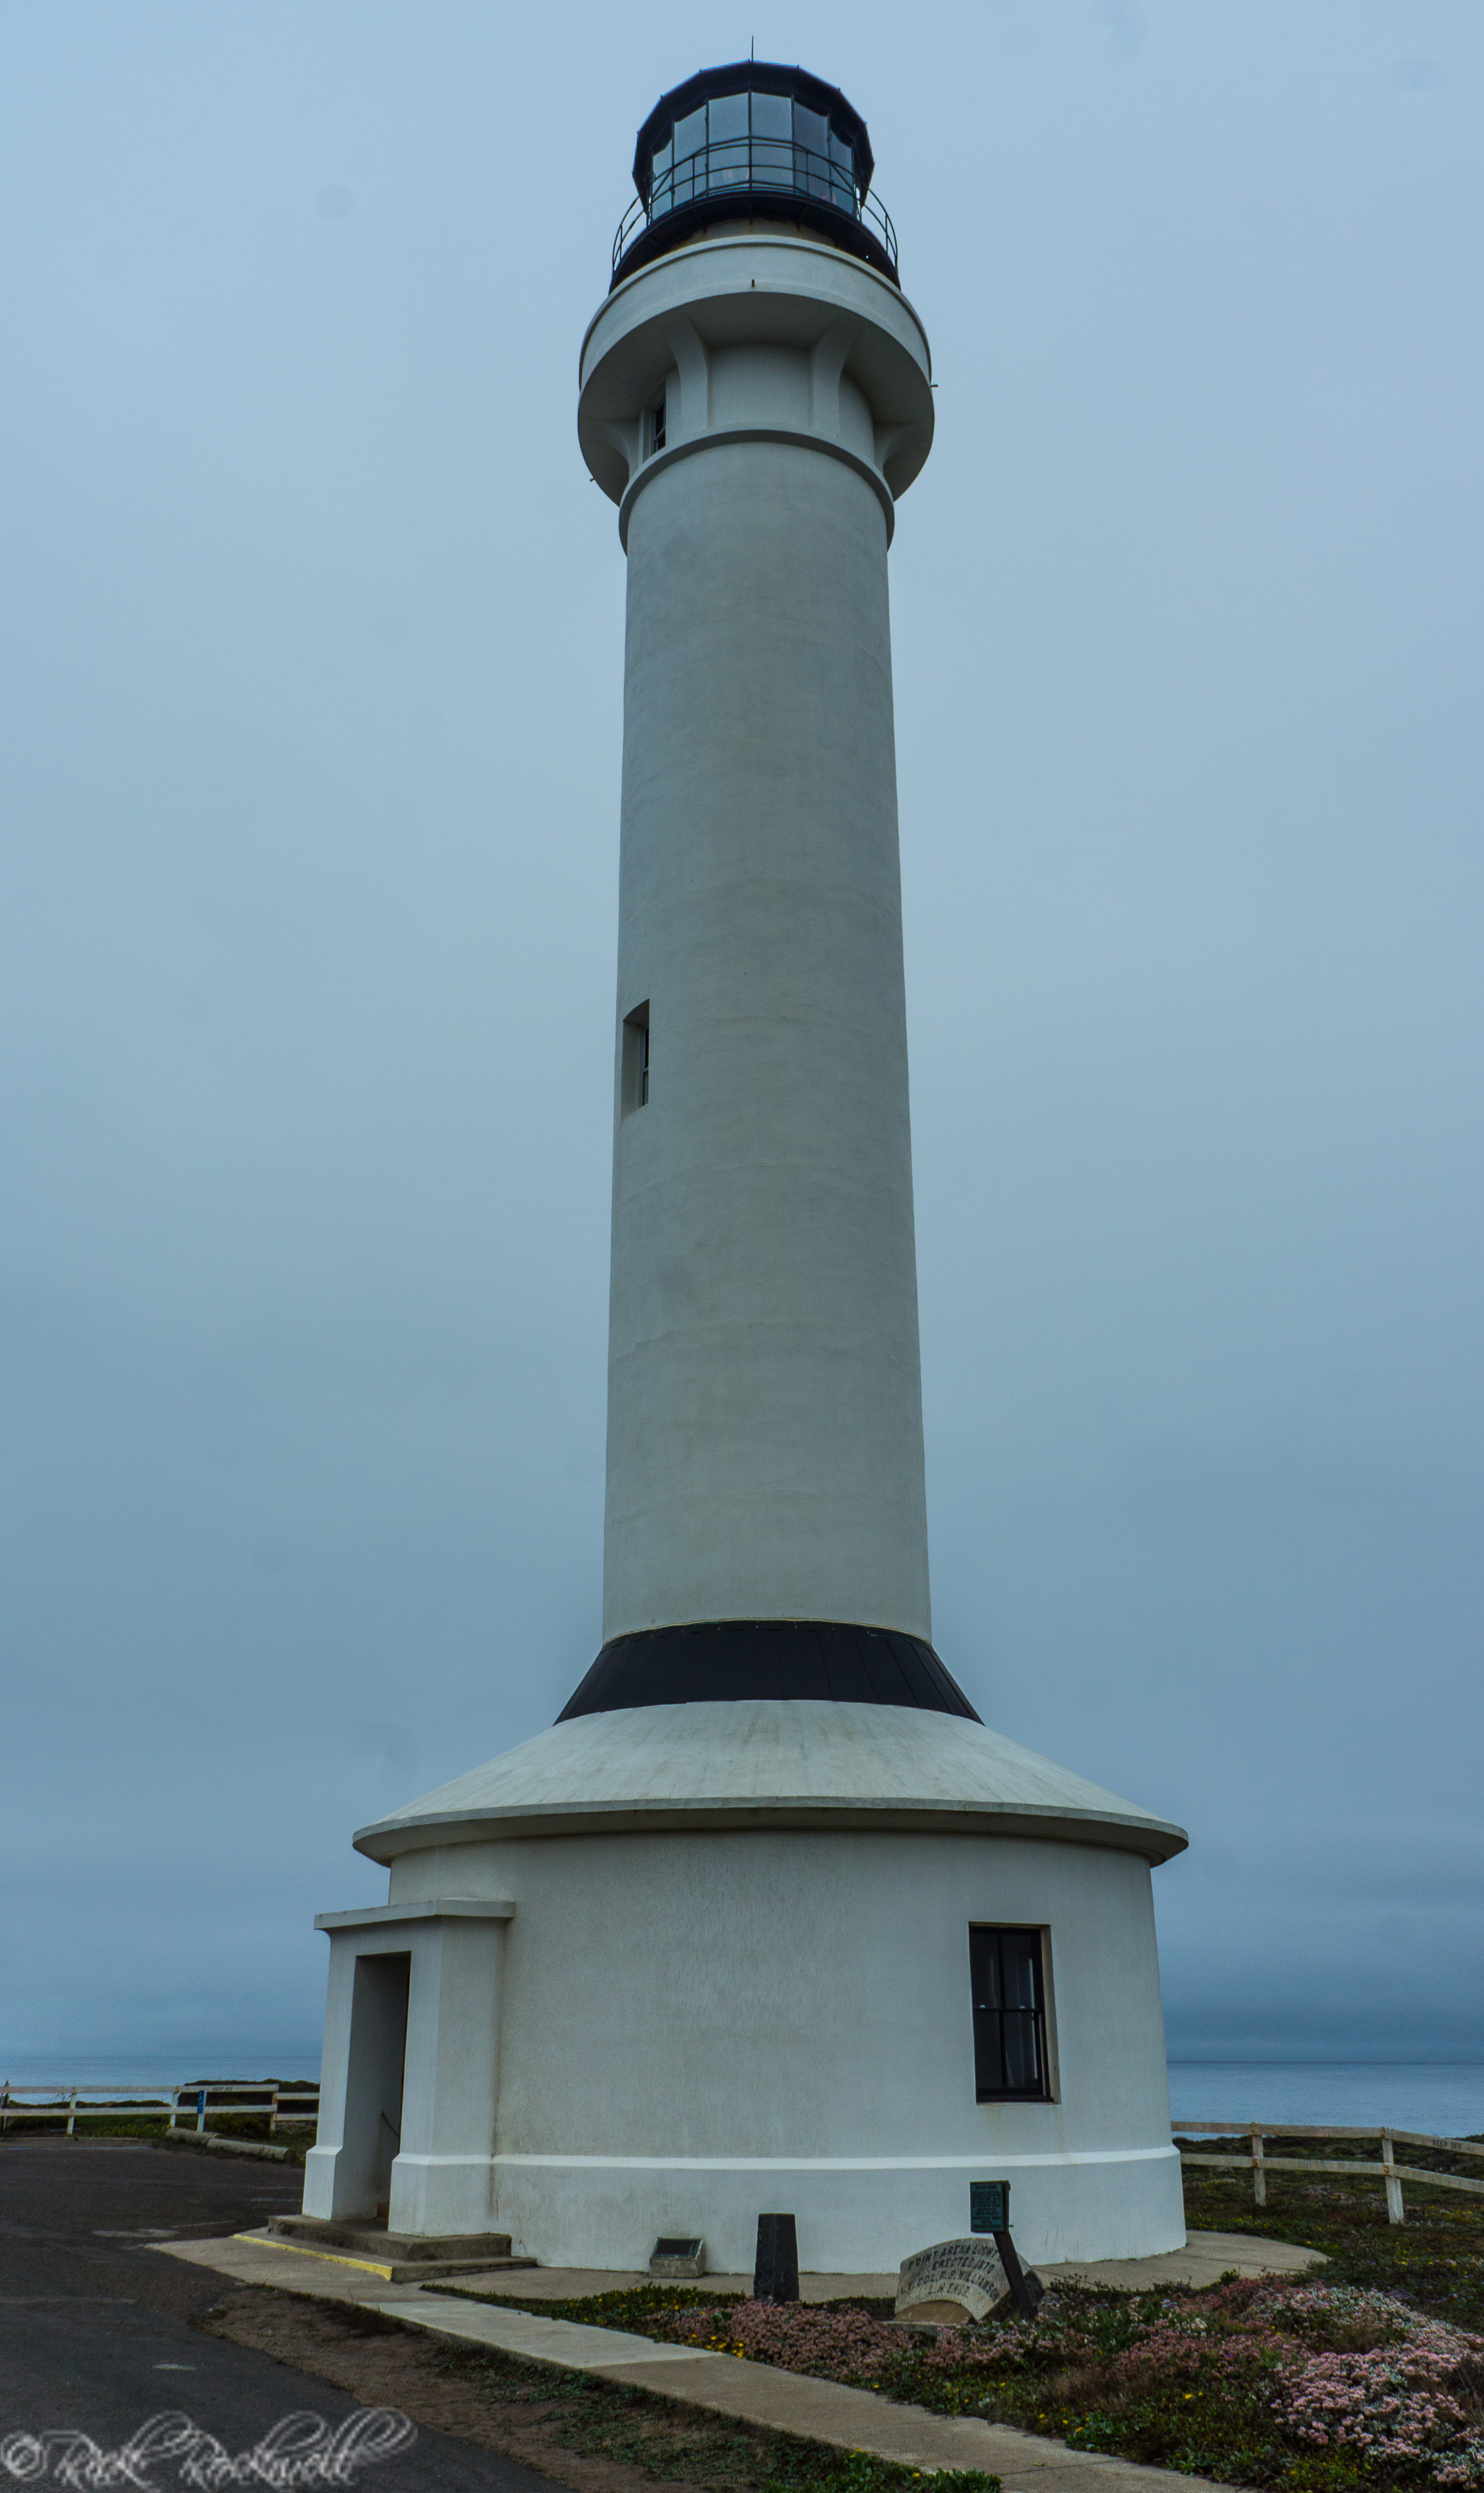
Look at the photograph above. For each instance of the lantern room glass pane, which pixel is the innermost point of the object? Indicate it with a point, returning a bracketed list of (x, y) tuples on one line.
[(842, 171), (727, 154), (812, 152), (772, 142), (661, 188), (690, 134), (772, 116)]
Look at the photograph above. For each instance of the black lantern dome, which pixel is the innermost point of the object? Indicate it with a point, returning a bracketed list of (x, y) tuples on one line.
[(753, 141)]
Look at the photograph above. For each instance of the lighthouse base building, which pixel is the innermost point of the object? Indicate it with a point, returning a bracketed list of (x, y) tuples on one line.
[(659, 1970), (770, 1921)]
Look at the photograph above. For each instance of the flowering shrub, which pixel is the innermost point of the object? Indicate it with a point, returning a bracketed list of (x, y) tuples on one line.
[(1254, 2382), (796, 2336)]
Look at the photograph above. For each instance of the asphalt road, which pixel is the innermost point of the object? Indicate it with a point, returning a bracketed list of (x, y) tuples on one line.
[(94, 2329)]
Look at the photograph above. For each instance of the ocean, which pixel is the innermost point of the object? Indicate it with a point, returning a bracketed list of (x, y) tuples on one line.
[(1443, 2097), (129, 2071)]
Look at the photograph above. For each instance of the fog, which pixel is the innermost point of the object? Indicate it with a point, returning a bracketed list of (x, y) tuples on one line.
[(311, 679)]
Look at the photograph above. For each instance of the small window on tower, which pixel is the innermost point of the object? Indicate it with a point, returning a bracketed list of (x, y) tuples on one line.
[(657, 427), (1008, 1974), (634, 1073)]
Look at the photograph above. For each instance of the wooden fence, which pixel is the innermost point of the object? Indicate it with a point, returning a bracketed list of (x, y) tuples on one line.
[(288, 2107), (1388, 2171)]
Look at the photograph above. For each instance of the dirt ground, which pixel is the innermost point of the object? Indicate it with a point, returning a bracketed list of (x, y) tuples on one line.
[(590, 2435)]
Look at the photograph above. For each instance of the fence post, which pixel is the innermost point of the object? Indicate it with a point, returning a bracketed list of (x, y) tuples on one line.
[(71, 2114), (5, 2107), (174, 2104), (1259, 2171), (1396, 2213), (273, 2115)]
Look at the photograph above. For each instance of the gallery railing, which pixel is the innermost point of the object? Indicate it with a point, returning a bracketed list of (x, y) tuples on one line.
[(761, 167)]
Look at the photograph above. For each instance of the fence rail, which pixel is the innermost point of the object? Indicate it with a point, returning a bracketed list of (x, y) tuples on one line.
[(220, 2096), (1388, 2171)]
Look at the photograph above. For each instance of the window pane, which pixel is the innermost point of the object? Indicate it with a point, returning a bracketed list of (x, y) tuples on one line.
[(729, 117), (772, 116), (842, 172), (1023, 2060), (811, 170), (984, 1970), (995, 1987), (726, 165), (690, 134), (659, 162), (1020, 1953), (773, 164)]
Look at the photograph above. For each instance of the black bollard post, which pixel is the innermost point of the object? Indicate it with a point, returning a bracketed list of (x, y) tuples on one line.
[(776, 2274)]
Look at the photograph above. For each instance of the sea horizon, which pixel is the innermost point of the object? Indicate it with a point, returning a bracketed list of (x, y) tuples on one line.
[(1442, 2098)]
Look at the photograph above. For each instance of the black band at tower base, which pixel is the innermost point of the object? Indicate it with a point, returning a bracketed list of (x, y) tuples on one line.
[(722, 1660)]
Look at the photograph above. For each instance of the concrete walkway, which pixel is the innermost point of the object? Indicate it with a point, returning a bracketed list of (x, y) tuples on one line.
[(785, 2401)]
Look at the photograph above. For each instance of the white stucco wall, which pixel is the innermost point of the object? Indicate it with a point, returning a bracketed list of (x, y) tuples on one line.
[(697, 2028)]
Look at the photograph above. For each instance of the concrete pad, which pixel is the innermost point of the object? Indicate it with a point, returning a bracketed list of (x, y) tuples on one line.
[(575, 2284), (1205, 2258), (252, 2259)]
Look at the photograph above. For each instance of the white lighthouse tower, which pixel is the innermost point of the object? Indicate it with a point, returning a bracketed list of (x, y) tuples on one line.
[(769, 1919)]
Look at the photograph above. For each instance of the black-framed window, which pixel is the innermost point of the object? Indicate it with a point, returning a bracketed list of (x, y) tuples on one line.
[(1007, 1975), (634, 1066)]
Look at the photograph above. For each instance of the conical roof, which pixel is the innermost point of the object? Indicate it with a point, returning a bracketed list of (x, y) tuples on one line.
[(770, 1761)]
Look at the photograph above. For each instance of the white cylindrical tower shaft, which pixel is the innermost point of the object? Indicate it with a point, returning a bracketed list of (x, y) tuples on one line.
[(744, 400), (765, 1427)]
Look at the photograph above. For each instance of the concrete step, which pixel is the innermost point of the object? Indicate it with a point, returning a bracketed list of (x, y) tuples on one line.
[(405, 2256)]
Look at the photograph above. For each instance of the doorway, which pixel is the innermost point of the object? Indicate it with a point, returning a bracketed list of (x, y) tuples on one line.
[(379, 2042)]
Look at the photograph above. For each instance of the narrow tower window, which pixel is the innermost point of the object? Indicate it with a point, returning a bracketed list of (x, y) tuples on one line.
[(657, 426), (634, 1074), (1008, 1978)]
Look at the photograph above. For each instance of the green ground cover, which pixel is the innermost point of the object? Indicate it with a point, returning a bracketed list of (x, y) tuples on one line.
[(1368, 2372)]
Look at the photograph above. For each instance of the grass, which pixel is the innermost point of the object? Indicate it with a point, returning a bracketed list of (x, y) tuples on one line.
[(1435, 2260)]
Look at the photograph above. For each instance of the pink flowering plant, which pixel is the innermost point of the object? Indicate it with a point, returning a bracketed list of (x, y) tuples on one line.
[(1313, 2386), (1368, 2382)]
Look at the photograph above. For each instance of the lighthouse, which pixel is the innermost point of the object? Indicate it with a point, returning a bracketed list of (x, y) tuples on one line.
[(769, 1919)]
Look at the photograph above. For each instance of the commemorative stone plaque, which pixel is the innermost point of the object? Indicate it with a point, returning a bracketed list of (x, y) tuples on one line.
[(962, 2280)]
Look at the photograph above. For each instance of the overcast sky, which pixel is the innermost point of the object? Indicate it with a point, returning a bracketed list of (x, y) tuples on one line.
[(312, 677)]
